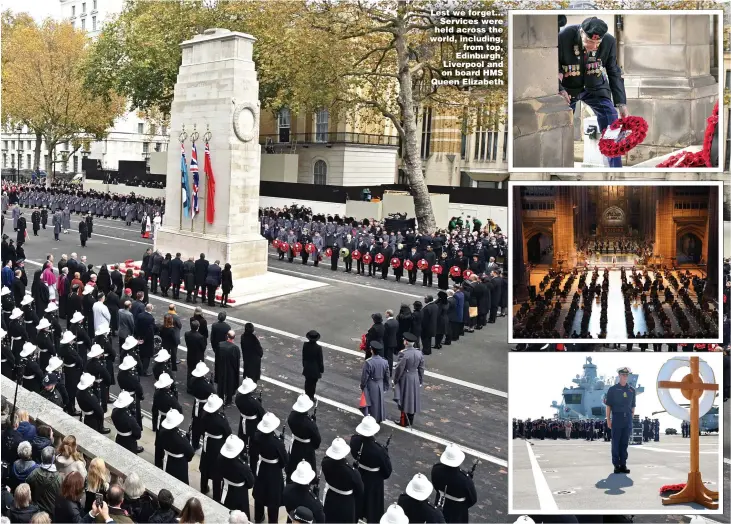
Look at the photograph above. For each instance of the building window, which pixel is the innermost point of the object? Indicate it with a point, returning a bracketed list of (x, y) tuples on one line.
[(5, 160), (284, 123), (94, 5), (83, 7), (463, 146), (45, 161), (64, 166), (27, 145), (403, 178), (158, 147), (76, 163), (320, 172), (73, 10), (141, 128), (28, 160), (426, 133), (5, 145), (145, 147), (12, 145), (321, 125), (65, 146), (83, 24), (164, 130), (20, 161), (464, 179), (93, 23), (486, 136), (73, 24), (505, 147)]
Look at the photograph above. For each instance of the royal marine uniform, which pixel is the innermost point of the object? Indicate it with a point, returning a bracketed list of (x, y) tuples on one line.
[(123, 418), (163, 401), (343, 494), (374, 466), (173, 451), (273, 459), (91, 409), (298, 494), (454, 484), (129, 381), (592, 77), (305, 435), (236, 474), (415, 501), (621, 403), (251, 412), (216, 430), (201, 388)]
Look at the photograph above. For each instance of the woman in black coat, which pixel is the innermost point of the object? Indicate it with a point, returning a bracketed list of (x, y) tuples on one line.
[(416, 319), (104, 280), (313, 365), (227, 284), (442, 318), (251, 353), (165, 274), (375, 333), (404, 324)]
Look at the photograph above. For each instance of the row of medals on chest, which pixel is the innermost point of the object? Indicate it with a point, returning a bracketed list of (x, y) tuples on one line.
[(593, 66)]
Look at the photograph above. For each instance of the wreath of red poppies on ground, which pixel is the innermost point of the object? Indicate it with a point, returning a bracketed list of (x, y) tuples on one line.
[(637, 128), (701, 158)]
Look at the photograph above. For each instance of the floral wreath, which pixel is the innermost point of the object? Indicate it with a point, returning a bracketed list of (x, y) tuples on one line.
[(633, 130), (701, 158)]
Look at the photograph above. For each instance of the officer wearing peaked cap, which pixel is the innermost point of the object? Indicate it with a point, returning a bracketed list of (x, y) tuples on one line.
[(415, 501), (588, 72), (297, 494), (305, 435), (129, 431), (49, 391), (456, 486), (374, 466), (620, 402)]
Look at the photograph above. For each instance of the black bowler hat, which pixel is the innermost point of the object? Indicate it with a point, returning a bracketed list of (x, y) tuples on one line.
[(409, 337), (313, 335), (594, 28)]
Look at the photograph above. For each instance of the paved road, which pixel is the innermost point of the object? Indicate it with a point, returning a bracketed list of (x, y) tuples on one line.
[(463, 401)]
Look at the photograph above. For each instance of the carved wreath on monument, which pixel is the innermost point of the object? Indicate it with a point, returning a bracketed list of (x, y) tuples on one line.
[(246, 120)]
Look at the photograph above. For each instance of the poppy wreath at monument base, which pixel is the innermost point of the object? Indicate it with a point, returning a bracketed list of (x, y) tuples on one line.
[(711, 129), (701, 158), (637, 127)]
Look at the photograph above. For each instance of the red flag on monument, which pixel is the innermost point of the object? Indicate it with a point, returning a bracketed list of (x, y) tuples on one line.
[(210, 187)]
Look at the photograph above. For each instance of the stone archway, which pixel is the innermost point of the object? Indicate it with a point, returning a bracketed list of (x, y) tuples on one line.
[(689, 248), (539, 248)]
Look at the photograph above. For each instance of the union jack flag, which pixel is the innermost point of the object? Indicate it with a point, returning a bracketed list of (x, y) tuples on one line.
[(194, 170)]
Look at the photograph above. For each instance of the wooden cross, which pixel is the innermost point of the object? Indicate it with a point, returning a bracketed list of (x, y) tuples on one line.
[(692, 387)]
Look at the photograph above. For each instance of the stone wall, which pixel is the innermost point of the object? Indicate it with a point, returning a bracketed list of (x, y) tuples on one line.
[(543, 133), (120, 461)]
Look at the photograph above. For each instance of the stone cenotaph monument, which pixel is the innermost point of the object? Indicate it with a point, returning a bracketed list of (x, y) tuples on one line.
[(217, 91)]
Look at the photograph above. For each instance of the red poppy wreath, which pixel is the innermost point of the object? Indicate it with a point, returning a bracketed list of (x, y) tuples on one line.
[(701, 158), (632, 131)]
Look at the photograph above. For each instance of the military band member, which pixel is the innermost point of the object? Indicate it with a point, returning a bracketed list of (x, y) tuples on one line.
[(128, 429), (588, 72), (343, 485), (73, 367), (30, 318), (129, 381), (51, 314), (8, 303), (102, 379), (17, 333), (91, 409), (82, 342), (374, 466), (236, 475), (129, 348), (305, 435), (415, 501), (46, 346), (32, 374), (251, 412), (8, 359), (455, 485), (298, 494), (216, 430), (163, 400), (201, 388), (101, 337), (162, 364), (272, 461), (394, 515), (620, 402), (173, 451)]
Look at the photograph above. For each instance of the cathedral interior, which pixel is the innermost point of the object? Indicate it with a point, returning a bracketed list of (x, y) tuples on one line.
[(615, 262)]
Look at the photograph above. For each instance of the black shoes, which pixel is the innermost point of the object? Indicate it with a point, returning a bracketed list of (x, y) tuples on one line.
[(139, 449), (624, 469), (104, 431), (617, 470)]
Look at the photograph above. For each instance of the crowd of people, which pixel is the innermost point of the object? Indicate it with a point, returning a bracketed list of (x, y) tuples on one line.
[(688, 316), (577, 429)]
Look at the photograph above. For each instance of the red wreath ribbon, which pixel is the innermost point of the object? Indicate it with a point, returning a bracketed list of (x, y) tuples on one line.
[(455, 271), (408, 265), (355, 255), (702, 158), (638, 131), (380, 258), (395, 263)]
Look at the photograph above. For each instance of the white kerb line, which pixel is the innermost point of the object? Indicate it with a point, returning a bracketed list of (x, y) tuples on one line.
[(545, 497)]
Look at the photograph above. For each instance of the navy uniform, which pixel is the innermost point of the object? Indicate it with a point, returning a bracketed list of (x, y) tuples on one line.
[(621, 401), (592, 77), (129, 431)]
